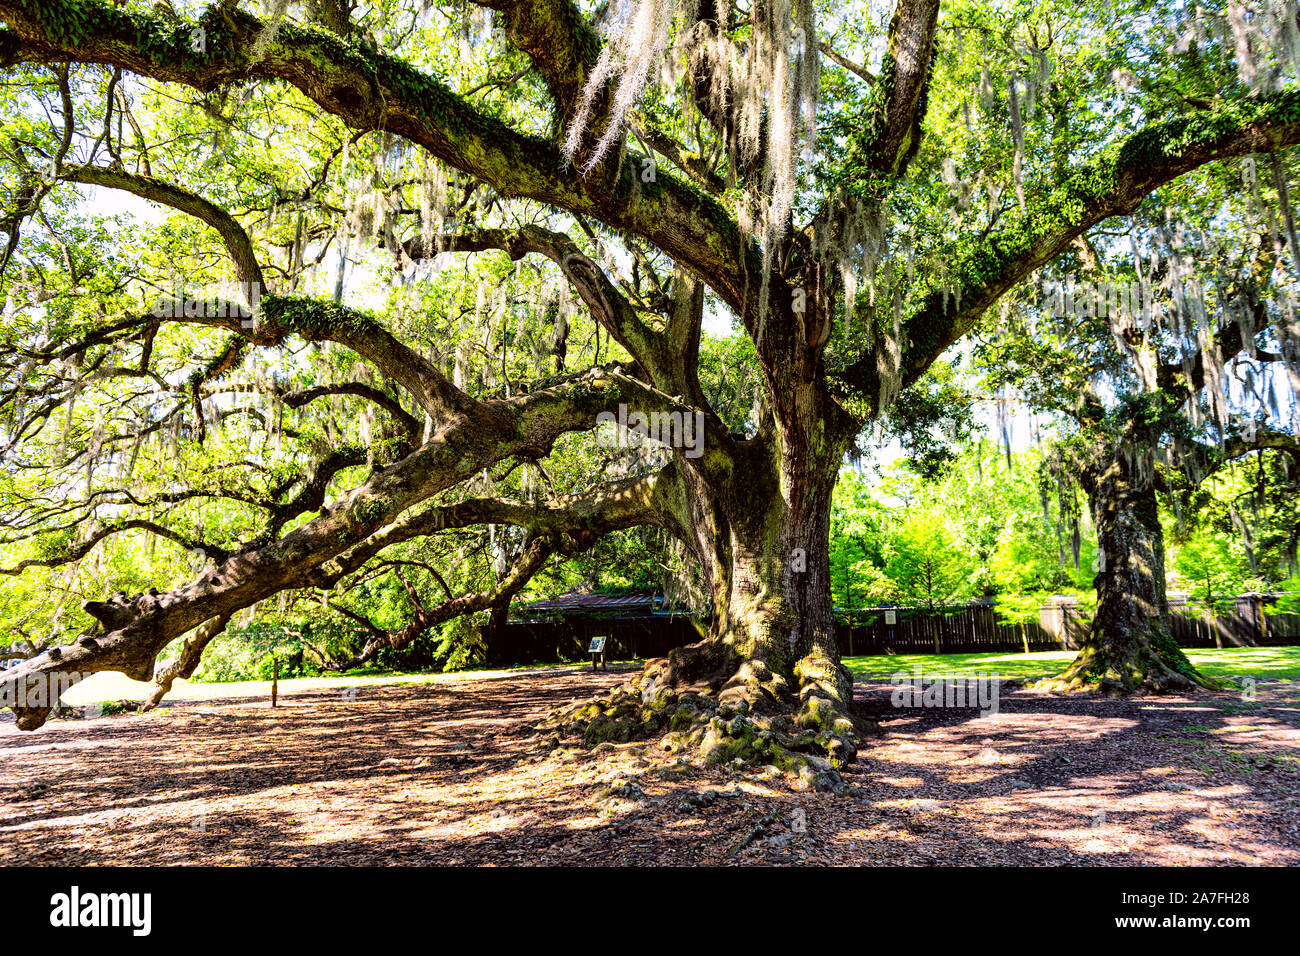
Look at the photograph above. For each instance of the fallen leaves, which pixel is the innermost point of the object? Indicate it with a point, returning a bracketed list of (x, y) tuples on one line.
[(451, 773)]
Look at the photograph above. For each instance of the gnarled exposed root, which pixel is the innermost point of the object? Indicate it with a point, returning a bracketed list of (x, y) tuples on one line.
[(1154, 664), (703, 700)]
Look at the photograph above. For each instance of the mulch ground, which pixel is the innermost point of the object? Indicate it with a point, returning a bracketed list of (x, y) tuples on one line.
[(448, 773)]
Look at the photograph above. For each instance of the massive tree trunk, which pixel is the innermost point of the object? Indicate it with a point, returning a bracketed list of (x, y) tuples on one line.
[(1129, 645), (778, 617), (766, 685)]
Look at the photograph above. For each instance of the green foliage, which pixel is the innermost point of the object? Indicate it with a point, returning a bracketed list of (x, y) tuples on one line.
[(454, 646), (1015, 608), (933, 419), (257, 652), (859, 544), (1286, 603), (1210, 571), (925, 566), (979, 529), (231, 657)]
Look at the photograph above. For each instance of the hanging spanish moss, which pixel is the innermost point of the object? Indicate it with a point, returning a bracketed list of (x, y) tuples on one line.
[(275, 11), (767, 85), (637, 34)]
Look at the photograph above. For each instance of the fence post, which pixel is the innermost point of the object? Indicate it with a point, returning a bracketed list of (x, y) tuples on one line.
[(1250, 612)]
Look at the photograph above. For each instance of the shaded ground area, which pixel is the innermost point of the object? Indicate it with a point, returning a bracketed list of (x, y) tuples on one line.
[(448, 772)]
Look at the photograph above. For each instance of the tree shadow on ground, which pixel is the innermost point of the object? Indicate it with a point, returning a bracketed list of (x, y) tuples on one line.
[(449, 772)]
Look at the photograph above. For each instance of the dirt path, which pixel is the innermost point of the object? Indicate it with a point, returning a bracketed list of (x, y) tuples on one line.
[(446, 773)]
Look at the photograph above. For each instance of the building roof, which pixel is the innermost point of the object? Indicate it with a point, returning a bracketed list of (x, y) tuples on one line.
[(580, 601)]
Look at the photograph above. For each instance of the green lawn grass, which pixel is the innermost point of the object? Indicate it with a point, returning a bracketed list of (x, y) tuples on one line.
[(111, 685), (1276, 662)]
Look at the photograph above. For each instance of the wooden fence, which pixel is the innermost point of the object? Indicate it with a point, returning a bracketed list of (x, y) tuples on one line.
[(567, 638), (974, 628), (956, 629)]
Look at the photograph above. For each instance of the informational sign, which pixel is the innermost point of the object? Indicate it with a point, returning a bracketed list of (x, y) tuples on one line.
[(891, 617), (597, 645)]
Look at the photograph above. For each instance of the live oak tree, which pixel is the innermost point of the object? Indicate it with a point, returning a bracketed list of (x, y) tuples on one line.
[(1168, 359), (855, 195)]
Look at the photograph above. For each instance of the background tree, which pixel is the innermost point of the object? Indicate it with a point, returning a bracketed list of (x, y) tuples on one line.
[(859, 545), (1211, 572), (1158, 351), (927, 571)]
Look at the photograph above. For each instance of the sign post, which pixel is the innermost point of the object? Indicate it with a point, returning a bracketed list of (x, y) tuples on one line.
[(597, 649)]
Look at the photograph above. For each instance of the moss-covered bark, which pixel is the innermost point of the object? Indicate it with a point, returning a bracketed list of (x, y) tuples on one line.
[(767, 684), (1129, 646)]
